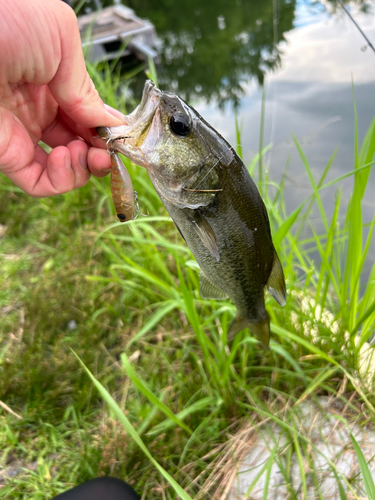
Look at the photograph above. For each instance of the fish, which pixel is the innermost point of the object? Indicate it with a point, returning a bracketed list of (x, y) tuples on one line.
[(213, 201)]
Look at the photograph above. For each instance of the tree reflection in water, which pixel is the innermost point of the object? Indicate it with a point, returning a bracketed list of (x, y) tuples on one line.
[(210, 49)]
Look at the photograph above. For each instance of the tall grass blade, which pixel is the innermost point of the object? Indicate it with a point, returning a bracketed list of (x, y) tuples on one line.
[(345, 176), (79, 6), (238, 136), (193, 408), (366, 473), (261, 138), (155, 320), (257, 157), (279, 349), (312, 182), (152, 74), (343, 495), (363, 318), (151, 415), (264, 468), (326, 373), (194, 320), (145, 390), (270, 462), (296, 434), (366, 154), (301, 466), (132, 432), (327, 257), (286, 225)]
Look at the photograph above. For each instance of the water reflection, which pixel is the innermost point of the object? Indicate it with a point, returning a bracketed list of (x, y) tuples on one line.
[(311, 97), (210, 50)]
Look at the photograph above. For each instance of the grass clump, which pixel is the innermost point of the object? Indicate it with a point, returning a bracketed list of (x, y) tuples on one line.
[(183, 403)]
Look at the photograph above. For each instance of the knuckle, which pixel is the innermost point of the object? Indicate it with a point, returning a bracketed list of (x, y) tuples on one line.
[(80, 183), (86, 95)]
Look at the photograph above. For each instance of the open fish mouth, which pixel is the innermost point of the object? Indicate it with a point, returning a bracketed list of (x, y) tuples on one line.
[(137, 123), (150, 99)]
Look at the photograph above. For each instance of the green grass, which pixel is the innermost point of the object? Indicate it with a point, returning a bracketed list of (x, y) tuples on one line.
[(167, 392)]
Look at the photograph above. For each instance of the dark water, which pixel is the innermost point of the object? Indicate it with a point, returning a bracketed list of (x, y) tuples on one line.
[(210, 50), (218, 53)]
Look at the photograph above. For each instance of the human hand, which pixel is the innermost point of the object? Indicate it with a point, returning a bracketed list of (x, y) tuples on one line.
[(46, 95)]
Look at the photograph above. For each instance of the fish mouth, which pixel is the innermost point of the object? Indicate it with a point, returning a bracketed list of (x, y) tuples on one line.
[(150, 98), (137, 123)]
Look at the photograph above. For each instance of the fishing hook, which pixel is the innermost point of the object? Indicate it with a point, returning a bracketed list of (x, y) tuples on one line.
[(137, 206), (109, 147), (111, 140)]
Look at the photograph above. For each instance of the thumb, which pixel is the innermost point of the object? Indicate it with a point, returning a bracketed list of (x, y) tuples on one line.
[(71, 87)]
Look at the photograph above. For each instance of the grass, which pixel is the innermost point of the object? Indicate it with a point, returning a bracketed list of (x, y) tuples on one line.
[(160, 396)]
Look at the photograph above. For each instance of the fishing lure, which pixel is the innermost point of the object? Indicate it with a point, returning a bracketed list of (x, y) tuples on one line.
[(124, 197)]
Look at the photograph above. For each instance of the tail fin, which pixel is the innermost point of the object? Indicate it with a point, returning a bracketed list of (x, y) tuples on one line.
[(261, 329)]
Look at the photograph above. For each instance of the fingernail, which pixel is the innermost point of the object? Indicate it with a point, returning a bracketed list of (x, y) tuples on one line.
[(107, 170), (83, 160), (67, 163)]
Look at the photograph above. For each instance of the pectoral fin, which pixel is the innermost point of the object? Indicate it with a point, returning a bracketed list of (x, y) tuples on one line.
[(210, 291), (206, 234), (276, 281)]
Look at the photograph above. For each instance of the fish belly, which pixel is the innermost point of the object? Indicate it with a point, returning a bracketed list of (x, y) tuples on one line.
[(237, 271)]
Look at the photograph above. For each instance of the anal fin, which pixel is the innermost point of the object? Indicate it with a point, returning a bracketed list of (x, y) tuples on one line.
[(210, 291), (276, 281)]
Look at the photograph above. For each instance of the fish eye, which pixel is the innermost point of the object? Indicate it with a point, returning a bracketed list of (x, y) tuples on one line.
[(180, 124)]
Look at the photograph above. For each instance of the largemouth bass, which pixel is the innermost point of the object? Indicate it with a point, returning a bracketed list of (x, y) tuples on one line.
[(211, 198)]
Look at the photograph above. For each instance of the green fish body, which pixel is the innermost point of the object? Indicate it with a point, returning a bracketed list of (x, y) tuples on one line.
[(209, 194)]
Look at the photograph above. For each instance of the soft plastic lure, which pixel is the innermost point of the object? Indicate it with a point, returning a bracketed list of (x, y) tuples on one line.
[(124, 198)]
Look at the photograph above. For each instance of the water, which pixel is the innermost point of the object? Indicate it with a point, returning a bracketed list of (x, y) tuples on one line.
[(216, 55)]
